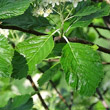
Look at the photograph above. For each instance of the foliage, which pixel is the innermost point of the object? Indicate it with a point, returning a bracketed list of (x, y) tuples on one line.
[(64, 41)]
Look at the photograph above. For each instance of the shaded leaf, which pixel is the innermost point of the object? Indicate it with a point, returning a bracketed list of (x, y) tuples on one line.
[(49, 74), (82, 67), (19, 103), (20, 68), (26, 21)]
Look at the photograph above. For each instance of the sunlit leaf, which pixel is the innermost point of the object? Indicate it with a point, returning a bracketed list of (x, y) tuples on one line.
[(35, 49), (82, 67), (6, 54), (12, 8)]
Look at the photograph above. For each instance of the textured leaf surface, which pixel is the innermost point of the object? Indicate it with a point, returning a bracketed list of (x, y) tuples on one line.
[(6, 54), (26, 21), (20, 68), (87, 10), (86, 18), (23, 102), (49, 74), (82, 67), (35, 49), (12, 8)]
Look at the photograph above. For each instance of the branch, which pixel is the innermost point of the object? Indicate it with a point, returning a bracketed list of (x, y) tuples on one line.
[(23, 30), (61, 40), (58, 59), (92, 105), (100, 36), (106, 63), (38, 93), (60, 95), (52, 60), (101, 27), (102, 99), (72, 93), (105, 91)]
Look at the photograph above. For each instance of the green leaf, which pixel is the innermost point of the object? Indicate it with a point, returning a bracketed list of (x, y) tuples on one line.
[(14, 8), (20, 68), (26, 21), (82, 66), (6, 54), (35, 49), (99, 106), (20, 100), (5, 95), (87, 10), (83, 21), (58, 48), (23, 102), (49, 74)]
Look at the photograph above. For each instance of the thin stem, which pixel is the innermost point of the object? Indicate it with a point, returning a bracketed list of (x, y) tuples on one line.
[(68, 15), (38, 93), (71, 25), (71, 98), (69, 18), (100, 36), (56, 11), (101, 27), (60, 95), (106, 63), (62, 23), (66, 39), (58, 59), (55, 32), (92, 105), (52, 60)]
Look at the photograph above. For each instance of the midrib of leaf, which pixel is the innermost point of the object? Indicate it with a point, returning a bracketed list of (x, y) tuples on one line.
[(73, 53), (76, 62), (39, 49)]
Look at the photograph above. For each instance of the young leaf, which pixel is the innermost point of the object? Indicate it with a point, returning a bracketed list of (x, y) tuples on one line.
[(20, 68), (35, 49), (82, 66), (6, 54), (9, 9), (49, 74)]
